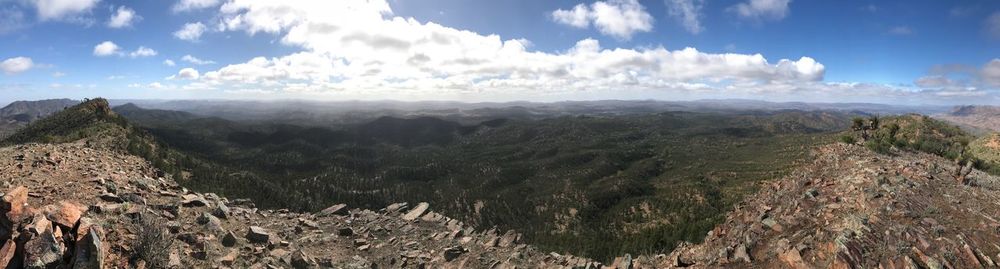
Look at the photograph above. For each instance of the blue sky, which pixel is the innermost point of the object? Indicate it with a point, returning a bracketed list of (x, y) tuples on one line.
[(913, 52)]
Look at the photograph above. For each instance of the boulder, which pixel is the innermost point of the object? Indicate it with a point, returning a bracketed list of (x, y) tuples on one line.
[(43, 250), (258, 235), (210, 222), (221, 211), (39, 224), (345, 231), (453, 253), (301, 260), (793, 259), (395, 207), (229, 240), (89, 252), (7, 253), (65, 213), (416, 212), (338, 209), (13, 204), (193, 200), (111, 197)]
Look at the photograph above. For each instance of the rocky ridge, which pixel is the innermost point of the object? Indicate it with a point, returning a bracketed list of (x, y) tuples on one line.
[(852, 208), (69, 205)]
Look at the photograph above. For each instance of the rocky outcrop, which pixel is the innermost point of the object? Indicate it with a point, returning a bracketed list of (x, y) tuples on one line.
[(150, 221), (852, 208)]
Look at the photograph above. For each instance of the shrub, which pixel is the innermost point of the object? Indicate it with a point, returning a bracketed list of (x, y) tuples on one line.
[(152, 243), (848, 139)]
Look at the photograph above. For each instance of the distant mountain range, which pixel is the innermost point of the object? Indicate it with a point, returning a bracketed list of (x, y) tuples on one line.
[(20, 113), (980, 119), (324, 113)]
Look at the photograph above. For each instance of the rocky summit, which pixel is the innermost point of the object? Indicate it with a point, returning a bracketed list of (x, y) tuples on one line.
[(852, 208), (70, 206)]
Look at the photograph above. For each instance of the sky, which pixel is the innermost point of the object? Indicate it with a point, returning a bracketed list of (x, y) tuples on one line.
[(898, 52)]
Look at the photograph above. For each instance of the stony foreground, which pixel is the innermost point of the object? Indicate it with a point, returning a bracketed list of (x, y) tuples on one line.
[(852, 208), (70, 206)]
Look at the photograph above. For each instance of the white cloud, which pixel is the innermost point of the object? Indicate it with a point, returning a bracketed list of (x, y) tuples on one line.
[(156, 85), (195, 60), (114, 77), (761, 9), (687, 12), (106, 48), (900, 30), (617, 18), (578, 17), (933, 81), (993, 25), (188, 73), (169, 62), (123, 17), (58, 74), (358, 48), (142, 52), (62, 9), (185, 5), (12, 66), (962, 79), (190, 31), (991, 73)]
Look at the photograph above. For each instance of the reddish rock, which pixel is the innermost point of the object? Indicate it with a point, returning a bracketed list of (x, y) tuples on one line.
[(65, 213), (13, 204), (793, 259), (7, 253)]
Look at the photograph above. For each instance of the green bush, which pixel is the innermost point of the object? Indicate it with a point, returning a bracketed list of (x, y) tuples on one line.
[(848, 139)]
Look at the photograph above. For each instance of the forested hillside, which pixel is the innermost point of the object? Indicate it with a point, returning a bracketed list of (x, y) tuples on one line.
[(593, 186)]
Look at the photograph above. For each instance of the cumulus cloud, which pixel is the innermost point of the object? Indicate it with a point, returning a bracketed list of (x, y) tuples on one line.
[(190, 31), (188, 73), (991, 73), (142, 52), (186, 5), (687, 12), (617, 18), (360, 47), (106, 48), (169, 62), (962, 80), (62, 9), (761, 9), (123, 17), (195, 60), (16, 65)]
